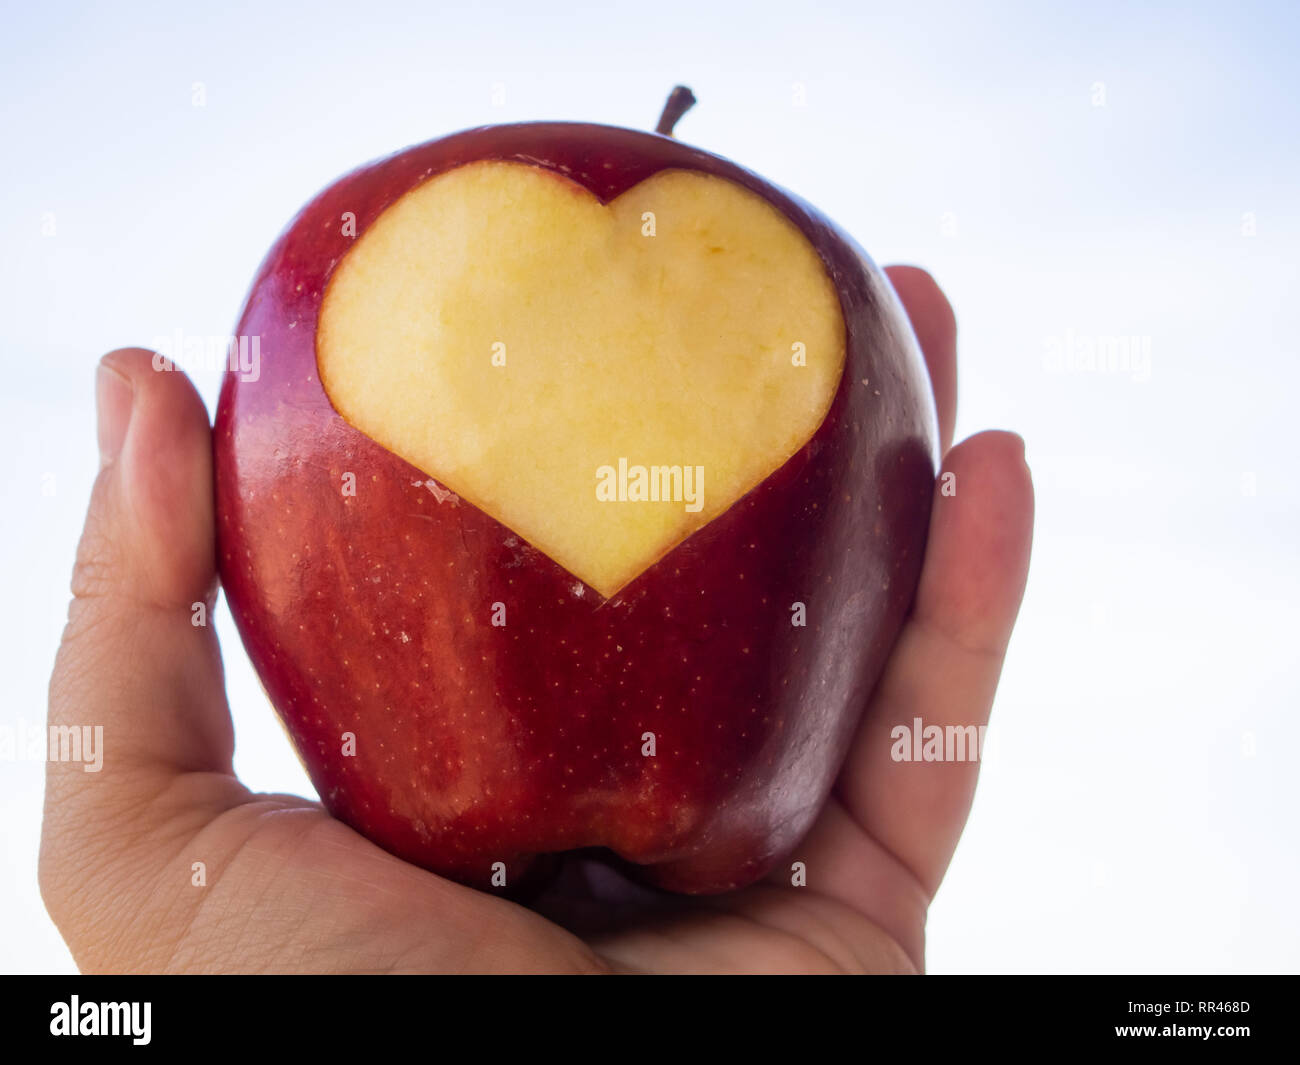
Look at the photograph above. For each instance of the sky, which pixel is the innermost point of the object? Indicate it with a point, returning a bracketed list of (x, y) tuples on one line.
[(1078, 179)]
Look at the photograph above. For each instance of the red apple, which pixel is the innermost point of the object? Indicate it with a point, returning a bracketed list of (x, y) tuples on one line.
[(480, 659)]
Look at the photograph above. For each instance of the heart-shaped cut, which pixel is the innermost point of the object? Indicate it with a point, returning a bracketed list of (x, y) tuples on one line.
[(603, 379)]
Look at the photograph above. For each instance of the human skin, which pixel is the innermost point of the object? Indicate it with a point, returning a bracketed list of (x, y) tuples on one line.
[(290, 889)]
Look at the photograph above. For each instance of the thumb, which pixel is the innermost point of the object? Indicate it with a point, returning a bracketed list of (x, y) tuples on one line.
[(137, 696)]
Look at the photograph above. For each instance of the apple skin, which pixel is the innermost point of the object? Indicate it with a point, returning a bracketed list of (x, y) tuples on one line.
[(474, 744)]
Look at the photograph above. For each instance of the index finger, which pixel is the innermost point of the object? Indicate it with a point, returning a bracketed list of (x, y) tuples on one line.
[(935, 327)]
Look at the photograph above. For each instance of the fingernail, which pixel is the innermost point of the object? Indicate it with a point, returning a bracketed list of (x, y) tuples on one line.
[(113, 398), (1023, 456)]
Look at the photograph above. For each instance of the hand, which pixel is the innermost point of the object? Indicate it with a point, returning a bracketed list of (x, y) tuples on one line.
[(288, 888)]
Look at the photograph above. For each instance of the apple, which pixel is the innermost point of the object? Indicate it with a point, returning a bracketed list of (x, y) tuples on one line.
[(576, 503)]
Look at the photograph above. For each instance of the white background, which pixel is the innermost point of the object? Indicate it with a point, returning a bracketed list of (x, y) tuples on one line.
[(1093, 171)]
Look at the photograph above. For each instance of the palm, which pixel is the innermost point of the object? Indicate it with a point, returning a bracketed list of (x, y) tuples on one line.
[(203, 875), (329, 900)]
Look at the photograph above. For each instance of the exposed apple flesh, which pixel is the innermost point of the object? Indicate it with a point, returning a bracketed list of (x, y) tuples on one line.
[(510, 335), (476, 747)]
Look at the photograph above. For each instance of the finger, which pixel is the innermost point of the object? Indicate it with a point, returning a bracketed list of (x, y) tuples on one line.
[(841, 861), (935, 327), (945, 667), (137, 683)]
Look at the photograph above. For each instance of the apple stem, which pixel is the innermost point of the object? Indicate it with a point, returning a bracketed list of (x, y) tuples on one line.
[(680, 100)]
